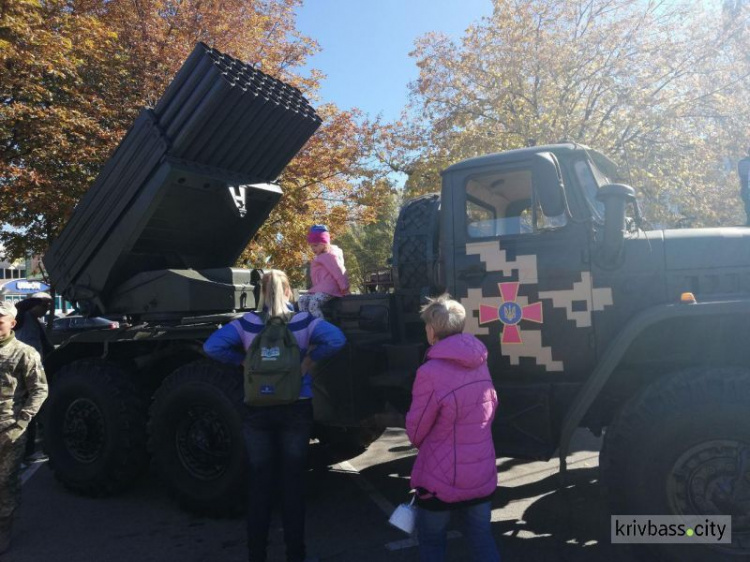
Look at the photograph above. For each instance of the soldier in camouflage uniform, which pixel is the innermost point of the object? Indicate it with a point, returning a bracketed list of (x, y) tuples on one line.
[(23, 389)]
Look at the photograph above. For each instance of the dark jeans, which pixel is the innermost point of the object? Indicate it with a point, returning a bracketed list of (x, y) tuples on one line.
[(277, 439), (474, 523)]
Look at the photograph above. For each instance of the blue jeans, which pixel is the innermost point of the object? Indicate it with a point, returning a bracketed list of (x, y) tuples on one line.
[(432, 529), (277, 439)]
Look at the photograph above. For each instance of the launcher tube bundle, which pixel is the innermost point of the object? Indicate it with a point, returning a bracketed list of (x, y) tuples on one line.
[(189, 184)]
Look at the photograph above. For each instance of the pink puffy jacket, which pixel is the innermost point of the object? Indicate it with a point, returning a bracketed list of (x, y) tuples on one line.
[(328, 274), (450, 421)]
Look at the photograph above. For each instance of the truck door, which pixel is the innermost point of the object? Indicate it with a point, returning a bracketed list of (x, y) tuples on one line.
[(525, 282)]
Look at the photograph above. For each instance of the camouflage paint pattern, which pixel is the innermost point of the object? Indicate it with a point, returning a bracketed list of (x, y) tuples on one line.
[(11, 455), (23, 390)]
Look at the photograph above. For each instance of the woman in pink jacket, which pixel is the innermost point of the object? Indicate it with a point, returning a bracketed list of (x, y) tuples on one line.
[(327, 272), (450, 421)]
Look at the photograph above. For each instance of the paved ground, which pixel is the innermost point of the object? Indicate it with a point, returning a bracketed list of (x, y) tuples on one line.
[(533, 518)]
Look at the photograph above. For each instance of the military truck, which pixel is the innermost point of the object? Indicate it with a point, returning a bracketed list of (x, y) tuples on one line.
[(590, 321)]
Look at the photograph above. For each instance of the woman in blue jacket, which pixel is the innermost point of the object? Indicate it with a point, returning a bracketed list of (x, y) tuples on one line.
[(277, 437)]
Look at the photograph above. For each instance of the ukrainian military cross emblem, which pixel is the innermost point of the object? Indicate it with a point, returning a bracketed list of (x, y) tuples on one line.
[(510, 313)]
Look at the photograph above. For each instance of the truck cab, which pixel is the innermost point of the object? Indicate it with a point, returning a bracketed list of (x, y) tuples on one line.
[(520, 246), (593, 321)]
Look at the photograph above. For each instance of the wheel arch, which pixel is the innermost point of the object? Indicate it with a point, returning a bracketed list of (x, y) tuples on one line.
[(70, 352), (673, 327), (681, 447)]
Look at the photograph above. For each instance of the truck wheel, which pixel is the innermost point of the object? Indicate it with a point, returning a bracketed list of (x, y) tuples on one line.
[(415, 246), (195, 437), (95, 428), (682, 447)]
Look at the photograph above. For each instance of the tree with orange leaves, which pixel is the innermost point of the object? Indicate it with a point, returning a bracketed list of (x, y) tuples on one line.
[(662, 87), (75, 73), (58, 119)]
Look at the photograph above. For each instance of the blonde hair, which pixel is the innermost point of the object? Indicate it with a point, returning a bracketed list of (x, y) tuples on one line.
[(446, 316), (275, 292)]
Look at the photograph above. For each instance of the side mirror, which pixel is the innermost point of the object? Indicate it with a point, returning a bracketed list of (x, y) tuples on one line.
[(615, 197), (548, 184)]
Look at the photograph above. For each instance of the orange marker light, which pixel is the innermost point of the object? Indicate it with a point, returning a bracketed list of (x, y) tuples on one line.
[(687, 298)]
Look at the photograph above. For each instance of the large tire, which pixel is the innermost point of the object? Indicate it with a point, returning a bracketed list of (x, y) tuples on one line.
[(95, 428), (682, 447), (195, 437), (415, 249)]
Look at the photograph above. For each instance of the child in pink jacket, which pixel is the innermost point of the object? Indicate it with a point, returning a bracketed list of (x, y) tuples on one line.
[(450, 422), (327, 272)]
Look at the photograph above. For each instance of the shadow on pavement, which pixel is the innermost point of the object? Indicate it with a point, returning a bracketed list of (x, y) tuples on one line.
[(535, 520), (565, 524)]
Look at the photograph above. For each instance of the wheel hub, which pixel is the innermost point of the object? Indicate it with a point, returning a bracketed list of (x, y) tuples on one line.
[(203, 443), (83, 430), (713, 478)]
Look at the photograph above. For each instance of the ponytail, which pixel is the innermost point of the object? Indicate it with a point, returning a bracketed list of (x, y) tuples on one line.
[(274, 293)]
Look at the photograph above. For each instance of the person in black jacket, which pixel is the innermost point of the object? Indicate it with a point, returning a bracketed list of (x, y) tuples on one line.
[(30, 330)]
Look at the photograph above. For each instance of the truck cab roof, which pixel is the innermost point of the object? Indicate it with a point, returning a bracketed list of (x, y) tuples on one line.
[(559, 149)]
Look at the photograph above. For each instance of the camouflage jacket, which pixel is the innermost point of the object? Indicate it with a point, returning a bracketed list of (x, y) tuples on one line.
[(23, 384)]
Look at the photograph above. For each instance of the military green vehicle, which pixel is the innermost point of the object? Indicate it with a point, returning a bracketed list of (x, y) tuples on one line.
[(583, 311), (592, 321)]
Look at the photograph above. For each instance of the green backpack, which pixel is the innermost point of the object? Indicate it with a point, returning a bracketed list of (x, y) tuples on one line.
[(273, 371)]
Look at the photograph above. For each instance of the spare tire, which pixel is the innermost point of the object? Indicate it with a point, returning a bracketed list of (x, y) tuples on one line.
[(415, 248)]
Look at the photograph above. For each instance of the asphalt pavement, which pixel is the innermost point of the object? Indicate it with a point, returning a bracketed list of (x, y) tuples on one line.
[(534, 518)]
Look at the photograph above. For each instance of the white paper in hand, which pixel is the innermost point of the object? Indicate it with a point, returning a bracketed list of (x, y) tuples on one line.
[(404, 517)]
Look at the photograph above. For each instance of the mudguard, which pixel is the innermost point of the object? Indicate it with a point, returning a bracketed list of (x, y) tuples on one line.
[(619, 347)]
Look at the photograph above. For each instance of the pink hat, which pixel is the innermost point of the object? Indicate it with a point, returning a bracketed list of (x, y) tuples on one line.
[(318, 235)]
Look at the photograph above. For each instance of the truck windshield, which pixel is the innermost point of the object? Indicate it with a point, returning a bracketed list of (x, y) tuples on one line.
[(590, 179), (502, 202)]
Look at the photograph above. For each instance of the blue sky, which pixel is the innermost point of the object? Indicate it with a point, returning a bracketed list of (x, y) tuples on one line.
[(366, 43)]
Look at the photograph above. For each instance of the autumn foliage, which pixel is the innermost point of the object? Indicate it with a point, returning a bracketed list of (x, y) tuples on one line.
[(58, 119), (75, 73), (662, 87)]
